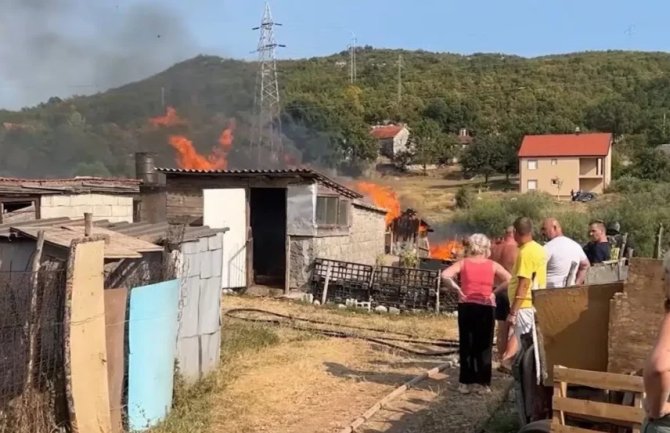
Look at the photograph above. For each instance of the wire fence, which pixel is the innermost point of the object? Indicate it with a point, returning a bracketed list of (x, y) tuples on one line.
[(32, 390)]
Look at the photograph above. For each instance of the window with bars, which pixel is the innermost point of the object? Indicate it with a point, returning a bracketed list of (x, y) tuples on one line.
[(332, 211)]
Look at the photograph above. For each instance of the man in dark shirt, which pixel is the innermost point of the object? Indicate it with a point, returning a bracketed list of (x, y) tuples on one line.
[(598, 250)]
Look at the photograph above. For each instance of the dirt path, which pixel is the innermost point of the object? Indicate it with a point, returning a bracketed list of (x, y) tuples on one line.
[(308, 383)]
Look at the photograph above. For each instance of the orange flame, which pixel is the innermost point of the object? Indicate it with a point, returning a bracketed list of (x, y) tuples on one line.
[(171, 118), (187, 156), (448, 250), (383, 197)]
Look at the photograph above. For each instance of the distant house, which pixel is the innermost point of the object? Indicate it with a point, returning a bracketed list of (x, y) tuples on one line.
[(559, 164), (391, 139), (463, 140)]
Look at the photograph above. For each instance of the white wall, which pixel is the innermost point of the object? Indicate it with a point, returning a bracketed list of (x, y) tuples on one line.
[(109, 207)]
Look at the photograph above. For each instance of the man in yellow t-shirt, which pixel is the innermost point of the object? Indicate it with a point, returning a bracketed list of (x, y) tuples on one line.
[(529, 273)]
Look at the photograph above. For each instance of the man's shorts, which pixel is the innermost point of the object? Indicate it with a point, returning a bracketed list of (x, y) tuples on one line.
[(502, 306)]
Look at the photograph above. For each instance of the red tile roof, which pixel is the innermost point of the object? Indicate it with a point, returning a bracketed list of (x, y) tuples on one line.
[(385, 132), (582, 144)]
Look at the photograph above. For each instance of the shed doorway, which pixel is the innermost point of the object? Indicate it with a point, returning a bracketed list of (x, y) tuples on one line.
[(268, 230)]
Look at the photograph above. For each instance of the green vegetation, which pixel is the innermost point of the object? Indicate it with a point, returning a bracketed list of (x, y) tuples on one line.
[(638, 205), (191, 405), (325, 120)]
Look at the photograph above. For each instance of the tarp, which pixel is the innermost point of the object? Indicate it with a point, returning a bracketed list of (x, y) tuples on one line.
[(152, 345)]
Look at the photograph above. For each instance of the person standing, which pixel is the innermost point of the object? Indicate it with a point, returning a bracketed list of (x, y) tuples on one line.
[(477, 274), (657, 371), (530, 272), (505, 254), (598, 249), (562, 252)]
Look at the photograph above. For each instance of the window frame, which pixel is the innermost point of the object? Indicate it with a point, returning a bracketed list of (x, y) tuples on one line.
[(554, 161), (528, 181), (341, 203), (528, 164)]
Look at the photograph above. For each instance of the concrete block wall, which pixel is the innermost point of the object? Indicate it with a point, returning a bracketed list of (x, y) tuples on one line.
[(363, 244), (109, 207)]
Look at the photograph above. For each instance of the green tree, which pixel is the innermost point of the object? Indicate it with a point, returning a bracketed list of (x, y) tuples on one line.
[(484, 157), (651, 164), (427, 141)]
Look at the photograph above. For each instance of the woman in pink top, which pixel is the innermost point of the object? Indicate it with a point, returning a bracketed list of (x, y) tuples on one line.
[(476, 308)]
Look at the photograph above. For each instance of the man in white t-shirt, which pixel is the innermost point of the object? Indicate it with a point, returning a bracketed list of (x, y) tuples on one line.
[(562, 252)]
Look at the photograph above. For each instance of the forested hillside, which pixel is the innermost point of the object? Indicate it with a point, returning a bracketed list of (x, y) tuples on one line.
[(325, 119)]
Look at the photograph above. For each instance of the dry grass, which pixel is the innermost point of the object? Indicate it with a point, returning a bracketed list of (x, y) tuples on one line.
[(433, 195), (421, 324), (279, 380)]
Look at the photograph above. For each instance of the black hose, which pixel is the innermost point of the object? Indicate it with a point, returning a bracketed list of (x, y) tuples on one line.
[(342, 334)]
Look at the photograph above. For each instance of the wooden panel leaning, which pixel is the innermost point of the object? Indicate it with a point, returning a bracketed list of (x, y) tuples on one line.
[(597, 412)]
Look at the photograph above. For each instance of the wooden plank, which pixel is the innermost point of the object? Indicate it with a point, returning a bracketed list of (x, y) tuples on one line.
[(635, 316), (600, 380), (560, 390), (605, 411), (573, 323), (559, 428)]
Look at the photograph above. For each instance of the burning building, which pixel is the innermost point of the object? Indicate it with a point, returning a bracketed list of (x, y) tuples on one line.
[(278, 221)]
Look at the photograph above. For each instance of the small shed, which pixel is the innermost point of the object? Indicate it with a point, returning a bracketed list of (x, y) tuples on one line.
[(279, 221), (24, 200)]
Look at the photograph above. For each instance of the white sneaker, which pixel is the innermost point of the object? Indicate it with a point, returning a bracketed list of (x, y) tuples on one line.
[(481, 389), (463, 388)]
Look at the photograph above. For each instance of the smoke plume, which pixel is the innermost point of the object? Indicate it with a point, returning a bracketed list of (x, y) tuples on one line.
[(65, 47)]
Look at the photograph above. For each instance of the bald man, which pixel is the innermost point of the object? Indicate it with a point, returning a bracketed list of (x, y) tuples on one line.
[(562, 252)]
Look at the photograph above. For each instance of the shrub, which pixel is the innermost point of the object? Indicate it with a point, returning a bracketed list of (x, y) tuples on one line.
[(464, 197)]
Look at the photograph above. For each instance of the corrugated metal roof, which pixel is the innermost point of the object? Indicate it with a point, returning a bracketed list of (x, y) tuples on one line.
[(154, 233), (304, 173)]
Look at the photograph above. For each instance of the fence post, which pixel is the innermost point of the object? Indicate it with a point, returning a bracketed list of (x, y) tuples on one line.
[(30, 328)]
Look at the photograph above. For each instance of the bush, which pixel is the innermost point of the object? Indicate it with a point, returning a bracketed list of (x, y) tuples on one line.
[(464, 197)]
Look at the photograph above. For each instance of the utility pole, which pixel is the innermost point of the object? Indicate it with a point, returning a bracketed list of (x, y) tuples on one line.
[(266, 100), (399, 80), (352, 59), (163, 98)]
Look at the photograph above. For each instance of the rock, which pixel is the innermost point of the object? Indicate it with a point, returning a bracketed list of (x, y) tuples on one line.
[(393, 310), (381, 309), (341, 306), (317, 303)]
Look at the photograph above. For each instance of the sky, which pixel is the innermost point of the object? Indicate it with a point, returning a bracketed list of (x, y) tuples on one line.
[(65, 47)]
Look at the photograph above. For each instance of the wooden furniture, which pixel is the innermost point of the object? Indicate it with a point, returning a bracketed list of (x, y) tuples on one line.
[(598, 413)]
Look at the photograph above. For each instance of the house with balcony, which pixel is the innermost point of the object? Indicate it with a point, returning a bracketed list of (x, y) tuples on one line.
[(560, 163)]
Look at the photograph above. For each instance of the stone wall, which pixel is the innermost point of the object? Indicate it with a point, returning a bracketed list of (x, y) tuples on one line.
[(363, 244), (109, 207)]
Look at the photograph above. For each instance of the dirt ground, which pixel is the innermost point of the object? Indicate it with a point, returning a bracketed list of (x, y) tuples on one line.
[(311, 383)]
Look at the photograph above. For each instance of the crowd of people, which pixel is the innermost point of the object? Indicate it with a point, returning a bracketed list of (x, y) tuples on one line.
[(495, 280)]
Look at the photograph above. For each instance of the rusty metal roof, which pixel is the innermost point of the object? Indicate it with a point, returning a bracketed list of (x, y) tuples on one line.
[(304, 173), (75, 185)]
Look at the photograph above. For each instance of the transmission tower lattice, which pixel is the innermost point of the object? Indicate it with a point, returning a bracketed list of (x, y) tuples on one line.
[(267, 139)]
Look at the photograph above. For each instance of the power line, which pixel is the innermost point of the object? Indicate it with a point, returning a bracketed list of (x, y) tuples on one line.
[(267, 140), (352, 58)]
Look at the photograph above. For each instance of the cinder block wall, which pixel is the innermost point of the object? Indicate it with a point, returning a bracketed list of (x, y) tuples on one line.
[(363, 244), (113, 208)]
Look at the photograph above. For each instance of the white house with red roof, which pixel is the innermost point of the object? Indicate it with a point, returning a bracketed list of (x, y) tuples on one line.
[(560, 163), (392, 139)]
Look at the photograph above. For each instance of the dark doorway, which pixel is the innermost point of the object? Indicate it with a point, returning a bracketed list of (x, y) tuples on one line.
[(268, 229)]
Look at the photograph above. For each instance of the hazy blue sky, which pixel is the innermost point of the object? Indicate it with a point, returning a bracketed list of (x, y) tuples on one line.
[(525, 27), (64, 47)]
